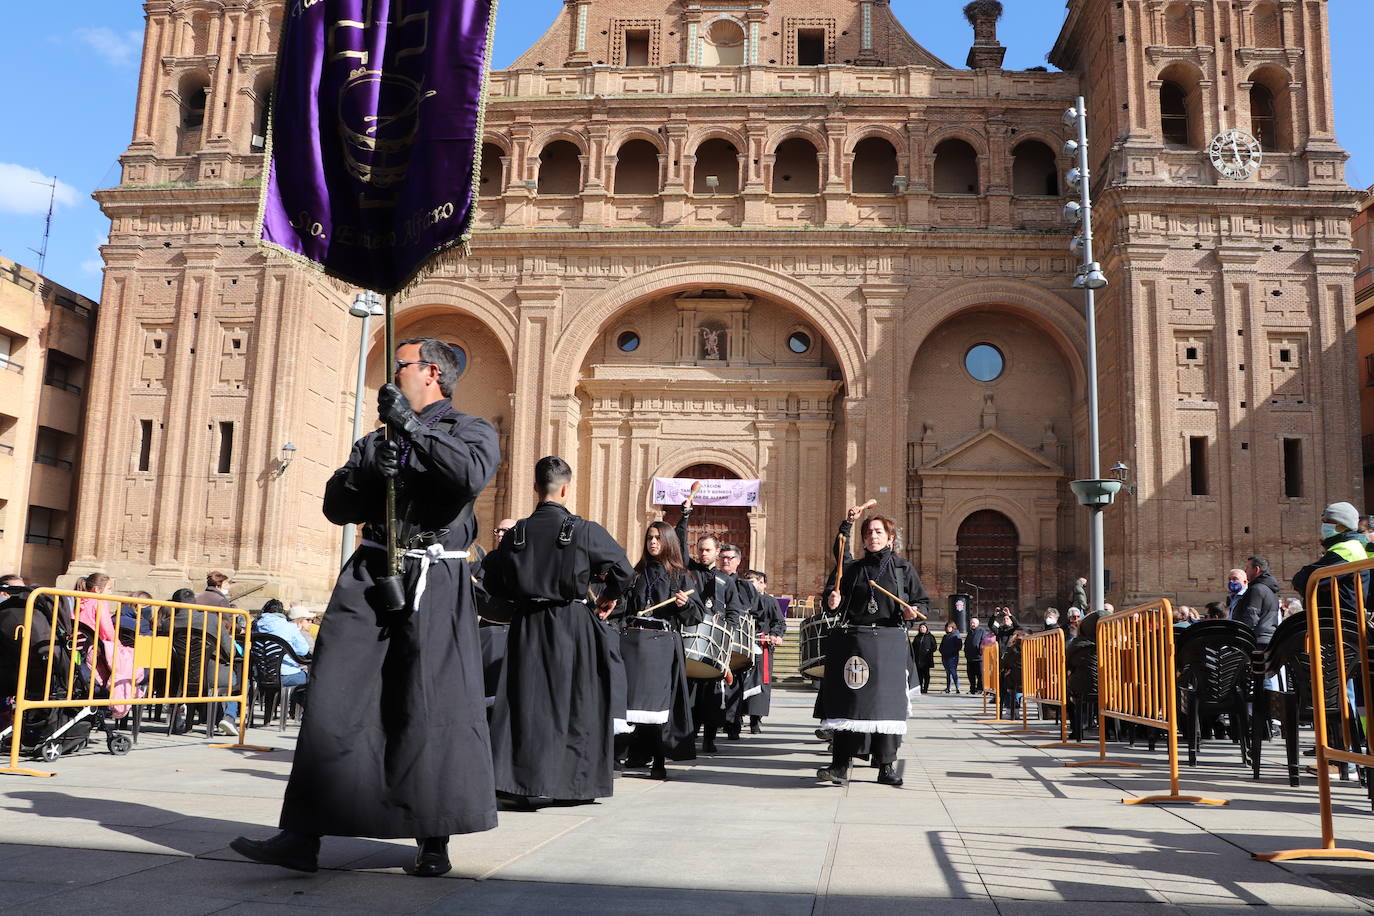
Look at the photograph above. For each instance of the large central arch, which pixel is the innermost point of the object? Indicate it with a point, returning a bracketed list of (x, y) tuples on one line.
[(833, 322)]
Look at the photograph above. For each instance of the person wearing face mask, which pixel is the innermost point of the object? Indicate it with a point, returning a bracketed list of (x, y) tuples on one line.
[(1367, 533), (864, 698), (1236, 583), (1341, 543)]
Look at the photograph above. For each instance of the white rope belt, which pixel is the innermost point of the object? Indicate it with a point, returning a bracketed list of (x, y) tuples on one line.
[(427, 557)]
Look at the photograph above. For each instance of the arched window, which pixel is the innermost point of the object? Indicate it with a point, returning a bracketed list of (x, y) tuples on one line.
[(1268, 109), (1268, 29), (796, 169), (723, 45), (191, 118), (1178, 26), (1173, 114), (492, 181), (1034, 170), (262, 109), (956, 168), (875, 165), (1262, 116), (718, 159), (636, 168), (560, 168)]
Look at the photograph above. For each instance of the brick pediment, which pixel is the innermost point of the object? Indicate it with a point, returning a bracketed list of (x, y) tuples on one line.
[(992, 451)]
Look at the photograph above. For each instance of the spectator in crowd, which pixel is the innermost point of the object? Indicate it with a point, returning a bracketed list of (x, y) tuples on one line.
[(973, 655), (1367, 532), (1075, 618), (1215, 611), (1258, 607), (1010, 683), (1181, 616), (1340, 543), (1236, 581), (136, 618), (1052, 618), (306, 619), (273, 621), (1003, 625), (216, 592), (949, 655), (13, 579), (923, 648), (1290, 606), (506, 524), (1080, 594), (203, 648)]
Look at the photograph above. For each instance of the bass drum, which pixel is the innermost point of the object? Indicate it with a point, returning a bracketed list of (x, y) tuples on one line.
[(814, 630), (706, 648), (743, 637)]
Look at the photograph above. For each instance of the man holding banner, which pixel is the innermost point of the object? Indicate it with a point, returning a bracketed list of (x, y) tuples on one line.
[(373, 150)]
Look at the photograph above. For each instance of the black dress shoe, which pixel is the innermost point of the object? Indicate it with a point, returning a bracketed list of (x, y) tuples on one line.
[(287, 850), (887, 776), (834, 775), (755, 728), (732, 734), (635, 763), (432, 859), (658, 771)]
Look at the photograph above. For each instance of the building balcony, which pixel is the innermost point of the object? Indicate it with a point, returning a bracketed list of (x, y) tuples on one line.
[(51, 484), (12, 386), (636, 210), (59, 406)]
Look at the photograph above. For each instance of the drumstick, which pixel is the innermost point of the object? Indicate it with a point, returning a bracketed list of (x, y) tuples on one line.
[(645, 612), (692, 493), (868, 505), (839, 560), (898, 600)]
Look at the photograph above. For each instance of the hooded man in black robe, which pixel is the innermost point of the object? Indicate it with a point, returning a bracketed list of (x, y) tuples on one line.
[(552, 719), (396, 742)]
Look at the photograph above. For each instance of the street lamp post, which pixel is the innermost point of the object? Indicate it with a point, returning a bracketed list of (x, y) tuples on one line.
[(1094, 492), (366, 305)]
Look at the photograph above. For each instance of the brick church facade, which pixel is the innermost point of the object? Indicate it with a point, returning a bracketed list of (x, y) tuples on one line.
[(772, 239)]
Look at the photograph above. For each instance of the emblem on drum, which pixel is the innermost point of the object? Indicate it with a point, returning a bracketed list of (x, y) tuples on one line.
[(855, 672)]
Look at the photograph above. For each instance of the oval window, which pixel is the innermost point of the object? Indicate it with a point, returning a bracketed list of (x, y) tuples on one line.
[(799, 342), (461, 356), (627, 342), (984, 362)]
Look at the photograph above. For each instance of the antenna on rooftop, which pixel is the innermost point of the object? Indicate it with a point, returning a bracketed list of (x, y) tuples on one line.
[(47, 225)]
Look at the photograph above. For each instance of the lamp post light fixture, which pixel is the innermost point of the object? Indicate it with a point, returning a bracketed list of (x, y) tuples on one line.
[(712, 182), (366, 305), (288, 454), (1094, 493)]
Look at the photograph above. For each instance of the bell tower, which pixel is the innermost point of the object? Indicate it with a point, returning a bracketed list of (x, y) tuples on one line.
[(1227, 333)]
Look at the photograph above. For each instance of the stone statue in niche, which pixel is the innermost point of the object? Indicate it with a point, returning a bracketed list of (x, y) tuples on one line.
[(710, 341)]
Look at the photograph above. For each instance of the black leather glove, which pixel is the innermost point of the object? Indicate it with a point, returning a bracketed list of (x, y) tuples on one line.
[(387, 458), (395, 411)]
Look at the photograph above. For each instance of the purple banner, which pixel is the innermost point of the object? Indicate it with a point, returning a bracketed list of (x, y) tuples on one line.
[(376, 134)]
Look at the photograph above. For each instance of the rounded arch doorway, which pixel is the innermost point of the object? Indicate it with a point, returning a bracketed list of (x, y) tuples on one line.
[(729, 524), (986, 561)]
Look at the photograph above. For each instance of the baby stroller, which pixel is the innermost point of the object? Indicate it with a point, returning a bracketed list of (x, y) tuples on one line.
[(47, 734)]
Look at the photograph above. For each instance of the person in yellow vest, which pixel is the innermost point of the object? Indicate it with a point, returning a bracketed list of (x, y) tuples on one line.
[(1342, 543)]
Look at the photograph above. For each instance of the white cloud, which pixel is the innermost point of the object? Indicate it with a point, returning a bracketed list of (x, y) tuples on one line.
[(25, 190), (120, 49)]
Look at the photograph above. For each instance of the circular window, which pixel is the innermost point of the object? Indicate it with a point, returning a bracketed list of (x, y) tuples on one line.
[(984, 362), (724, 33), (462, 356), (799, 342), (627, 342)]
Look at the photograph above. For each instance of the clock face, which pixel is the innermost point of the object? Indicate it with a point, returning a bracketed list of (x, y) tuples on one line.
[(1235, 154)]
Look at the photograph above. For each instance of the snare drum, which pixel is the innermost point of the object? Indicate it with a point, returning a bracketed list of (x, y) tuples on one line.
[(646, 623), (742, 638), (814, 630), (706, 648)]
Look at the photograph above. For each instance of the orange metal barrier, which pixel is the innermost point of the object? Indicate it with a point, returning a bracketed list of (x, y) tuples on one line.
[(1045, 680), (1331, 630), (992, 684), (1136, 683), (96, 632)]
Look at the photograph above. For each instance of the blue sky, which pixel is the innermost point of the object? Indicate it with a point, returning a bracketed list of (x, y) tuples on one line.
[(73, 78)]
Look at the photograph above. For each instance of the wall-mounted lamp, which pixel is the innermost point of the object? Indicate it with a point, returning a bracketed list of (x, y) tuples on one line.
[(899, 183), (288, 454), (531, 186), (712, 182), (1123, 473)]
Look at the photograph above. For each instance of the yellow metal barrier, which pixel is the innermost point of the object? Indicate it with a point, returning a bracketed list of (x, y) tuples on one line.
[(1045, 680), (1136, 683), (1331, 628), (992, 684), (216, 632)]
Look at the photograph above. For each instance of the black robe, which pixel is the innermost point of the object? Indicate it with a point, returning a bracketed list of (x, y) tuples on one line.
[(552, 720), (651, 585), (395, 744), (768, 614)]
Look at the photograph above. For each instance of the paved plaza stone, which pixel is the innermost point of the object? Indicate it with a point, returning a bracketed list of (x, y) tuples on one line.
[(986, 823)]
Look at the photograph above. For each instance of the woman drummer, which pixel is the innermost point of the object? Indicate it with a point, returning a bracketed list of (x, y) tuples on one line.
[(866, 599), (661, 576)]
